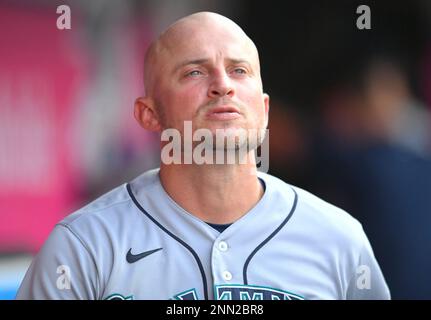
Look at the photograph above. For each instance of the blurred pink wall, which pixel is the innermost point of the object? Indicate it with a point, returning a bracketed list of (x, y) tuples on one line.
[(41, 69), (47, 78)]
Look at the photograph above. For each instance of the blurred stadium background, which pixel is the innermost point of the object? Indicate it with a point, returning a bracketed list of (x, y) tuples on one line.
[(349, 120)]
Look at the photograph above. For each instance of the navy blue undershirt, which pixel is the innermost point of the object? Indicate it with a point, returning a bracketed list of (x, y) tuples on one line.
[(222, 227)]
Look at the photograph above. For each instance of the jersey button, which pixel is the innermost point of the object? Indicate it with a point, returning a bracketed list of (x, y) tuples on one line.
[(222, 246), (227, 275)]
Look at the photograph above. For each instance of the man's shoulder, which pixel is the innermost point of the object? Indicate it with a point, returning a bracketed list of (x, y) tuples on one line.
[(327, 211), (114, 204), (315, 212), (103, 205)]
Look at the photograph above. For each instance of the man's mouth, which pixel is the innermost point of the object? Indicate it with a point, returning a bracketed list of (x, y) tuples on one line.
[(223, 113)]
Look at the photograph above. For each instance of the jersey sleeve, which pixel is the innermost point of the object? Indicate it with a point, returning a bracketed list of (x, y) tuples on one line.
[(63, 269), (367, 282)]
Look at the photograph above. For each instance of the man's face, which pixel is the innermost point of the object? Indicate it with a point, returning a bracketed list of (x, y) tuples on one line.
[(211, 76)]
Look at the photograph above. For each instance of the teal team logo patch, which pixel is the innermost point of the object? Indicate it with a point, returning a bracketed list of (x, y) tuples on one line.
[(230, 292), (117, 296), (247, 292), (242, 292), (187, 295)]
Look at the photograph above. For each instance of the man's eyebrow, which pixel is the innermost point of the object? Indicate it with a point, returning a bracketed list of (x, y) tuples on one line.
[(188, 62), (243, 61), (238, 61), (204, 60)]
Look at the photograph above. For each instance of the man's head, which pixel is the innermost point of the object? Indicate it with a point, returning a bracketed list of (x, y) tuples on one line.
[(203, 69)]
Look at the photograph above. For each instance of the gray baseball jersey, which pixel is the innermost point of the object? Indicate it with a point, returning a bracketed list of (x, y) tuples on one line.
[(135, 242)]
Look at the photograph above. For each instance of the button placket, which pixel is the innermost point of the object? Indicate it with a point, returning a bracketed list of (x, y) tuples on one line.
[(227, 275), (222, 246)]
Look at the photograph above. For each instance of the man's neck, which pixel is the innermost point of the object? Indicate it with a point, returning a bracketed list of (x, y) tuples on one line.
[(213, 193)]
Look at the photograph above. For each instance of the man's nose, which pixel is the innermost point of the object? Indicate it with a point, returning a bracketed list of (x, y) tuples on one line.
[(221, 85)]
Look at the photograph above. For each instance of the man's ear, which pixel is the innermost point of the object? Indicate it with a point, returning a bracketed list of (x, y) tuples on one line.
[(146, 114), (266, 105)]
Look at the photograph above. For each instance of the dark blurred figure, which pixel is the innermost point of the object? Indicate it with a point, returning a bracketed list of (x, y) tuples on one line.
[(372, 158), (350, 124)]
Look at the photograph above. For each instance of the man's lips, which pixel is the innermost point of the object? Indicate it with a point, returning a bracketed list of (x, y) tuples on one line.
[(223, 113)]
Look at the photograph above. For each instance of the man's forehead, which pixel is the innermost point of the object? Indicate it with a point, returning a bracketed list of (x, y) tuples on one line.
[(207, 44), (208, 50), (194, 36)]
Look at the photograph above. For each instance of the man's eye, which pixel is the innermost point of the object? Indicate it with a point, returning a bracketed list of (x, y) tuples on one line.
[(240, 71), (194, 73)]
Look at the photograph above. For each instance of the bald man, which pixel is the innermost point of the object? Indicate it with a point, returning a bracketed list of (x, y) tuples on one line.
[(201, 227)]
